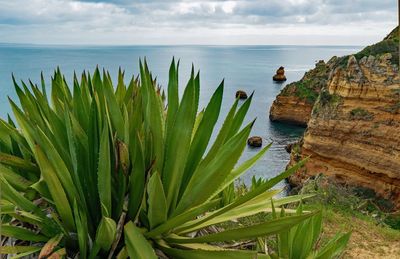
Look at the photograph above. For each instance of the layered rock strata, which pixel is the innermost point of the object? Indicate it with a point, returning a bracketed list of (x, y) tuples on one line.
[(353, 134), (294, 103), (354, 131)]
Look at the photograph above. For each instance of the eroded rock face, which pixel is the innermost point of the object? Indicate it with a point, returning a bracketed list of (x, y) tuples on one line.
[(354, 131), (291, 110), (294, 104)]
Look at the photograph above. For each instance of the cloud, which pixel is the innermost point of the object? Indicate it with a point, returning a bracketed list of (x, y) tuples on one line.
[(202, 22)]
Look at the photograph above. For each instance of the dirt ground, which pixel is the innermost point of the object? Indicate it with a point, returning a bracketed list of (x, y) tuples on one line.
[(367, 240)]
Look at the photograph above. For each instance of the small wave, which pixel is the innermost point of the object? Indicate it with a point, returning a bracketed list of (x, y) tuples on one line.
[(296, 69), (268, 49)]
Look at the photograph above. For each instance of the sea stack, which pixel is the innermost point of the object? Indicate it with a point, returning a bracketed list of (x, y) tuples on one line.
[(280, 75)]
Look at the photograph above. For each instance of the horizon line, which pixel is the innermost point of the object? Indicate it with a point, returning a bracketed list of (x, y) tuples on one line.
[(170, 45)]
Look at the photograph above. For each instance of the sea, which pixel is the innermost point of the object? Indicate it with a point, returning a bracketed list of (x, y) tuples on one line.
[(247, 68)]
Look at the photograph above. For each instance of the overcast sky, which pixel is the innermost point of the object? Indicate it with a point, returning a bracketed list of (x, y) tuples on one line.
[(124, 22)]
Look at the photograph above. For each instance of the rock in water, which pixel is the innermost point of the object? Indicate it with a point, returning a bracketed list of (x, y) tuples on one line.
[(280, 75), (241, 94), (255, 141)]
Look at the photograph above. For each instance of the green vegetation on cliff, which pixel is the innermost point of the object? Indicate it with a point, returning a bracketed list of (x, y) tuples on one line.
[(309, 86), (390, 44), (361, 114), (312, 87), (326, 103)]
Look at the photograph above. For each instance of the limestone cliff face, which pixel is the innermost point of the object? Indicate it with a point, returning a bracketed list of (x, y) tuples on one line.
[(291, 110), (294, 104), (354, 131)]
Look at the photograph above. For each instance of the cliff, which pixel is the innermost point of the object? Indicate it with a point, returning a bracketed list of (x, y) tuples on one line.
[(354, 131), (294, 103)]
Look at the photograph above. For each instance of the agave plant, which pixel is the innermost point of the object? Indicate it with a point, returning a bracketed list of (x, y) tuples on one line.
[(104, 172), (303, 240)]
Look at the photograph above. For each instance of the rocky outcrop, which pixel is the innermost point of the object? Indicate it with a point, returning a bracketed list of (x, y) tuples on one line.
[(280, 75), (294, 104), (291, 110), (353, 135), (255, 141), (354, 131)]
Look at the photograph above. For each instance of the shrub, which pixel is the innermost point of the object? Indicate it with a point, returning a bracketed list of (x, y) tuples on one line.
[(361, 114), (394, 108), (388, 45), (351, 200), (304, 91), (325, 97), (329, 100), (102, 172)]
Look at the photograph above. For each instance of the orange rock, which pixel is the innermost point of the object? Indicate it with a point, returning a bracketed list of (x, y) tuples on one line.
[(364, 150), (291, 110), (280, 75)]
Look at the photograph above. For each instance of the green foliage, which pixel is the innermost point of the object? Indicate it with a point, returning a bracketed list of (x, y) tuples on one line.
[(107, 171), (326, 98), (361, 114), (305, 92), (302, 240), (310, 85), (256, 182), (304, 89), (350, 200), (394, 108), (327, 104), (388, 45)]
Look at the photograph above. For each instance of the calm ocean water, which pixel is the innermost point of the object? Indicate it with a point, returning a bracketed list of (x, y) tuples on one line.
[(248, 68)]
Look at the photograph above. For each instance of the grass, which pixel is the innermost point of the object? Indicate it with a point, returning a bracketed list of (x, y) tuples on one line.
[(344, 209), (389, 45), (305, 92), (386, 46), (309, 86), (368, 240), (302, 89), (375, 228)]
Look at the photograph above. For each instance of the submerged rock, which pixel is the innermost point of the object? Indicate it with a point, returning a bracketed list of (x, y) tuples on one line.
[(255, 141), (241, 94), (280, 75)]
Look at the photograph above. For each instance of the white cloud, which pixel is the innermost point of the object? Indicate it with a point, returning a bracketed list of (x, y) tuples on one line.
[(196, 22)]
